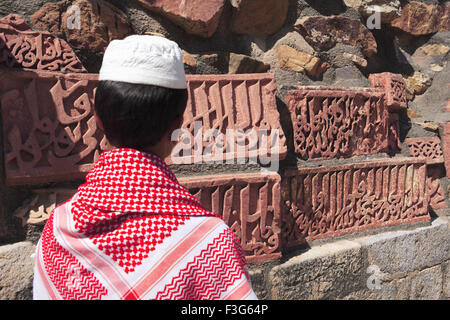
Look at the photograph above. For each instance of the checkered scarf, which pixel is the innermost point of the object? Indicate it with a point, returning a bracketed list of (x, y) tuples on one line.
[(130, 203)]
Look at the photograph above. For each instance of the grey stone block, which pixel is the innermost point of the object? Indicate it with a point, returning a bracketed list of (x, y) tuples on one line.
[(16, 270), (427, 284), (406, 251), (325, 272)]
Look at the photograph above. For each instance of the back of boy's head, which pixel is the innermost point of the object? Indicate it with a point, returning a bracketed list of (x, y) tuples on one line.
[(142, 90)]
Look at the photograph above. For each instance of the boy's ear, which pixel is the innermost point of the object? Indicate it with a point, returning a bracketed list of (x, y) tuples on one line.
[(98, 121)]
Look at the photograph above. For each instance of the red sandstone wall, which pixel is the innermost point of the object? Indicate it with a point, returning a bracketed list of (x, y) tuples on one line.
[(356, 118)]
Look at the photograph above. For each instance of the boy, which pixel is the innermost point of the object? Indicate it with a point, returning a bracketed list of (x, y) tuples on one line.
[(131, 231)]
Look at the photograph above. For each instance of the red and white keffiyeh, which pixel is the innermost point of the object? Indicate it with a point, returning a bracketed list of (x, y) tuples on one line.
[(133, 232)]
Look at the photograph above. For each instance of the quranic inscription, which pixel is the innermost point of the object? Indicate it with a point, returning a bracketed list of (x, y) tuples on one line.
[(332, 201), (49, 131), (230, 117), (249, 204), (338, 122), (23, 48)]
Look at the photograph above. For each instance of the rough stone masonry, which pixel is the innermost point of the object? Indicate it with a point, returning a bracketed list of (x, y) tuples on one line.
[(352, 106)]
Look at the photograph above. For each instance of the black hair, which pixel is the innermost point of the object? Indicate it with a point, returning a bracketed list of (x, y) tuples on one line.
[(137, 115)]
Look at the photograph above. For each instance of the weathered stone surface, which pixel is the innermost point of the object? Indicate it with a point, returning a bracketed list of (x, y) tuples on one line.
[(291, 59), (241, 63), (99, 23), (417, 84), (446, 146), (16, 269), (394, 143), (394, 87), (419, 18), (323, 33), (430, 148), (249, 204), (401, 252), (21, 47), (427, 284), (360, 62), (332, 201), (323, 272), (196, 17), (446, 275), (258, 17), (37, 210), (388, 9), (230, 117), (49, 132), (434, 189), (333, 122)]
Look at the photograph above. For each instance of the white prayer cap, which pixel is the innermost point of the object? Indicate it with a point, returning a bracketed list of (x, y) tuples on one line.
[(144, 59)]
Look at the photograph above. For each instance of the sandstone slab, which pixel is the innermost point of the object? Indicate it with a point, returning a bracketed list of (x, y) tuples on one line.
[(394, 87), (338, 122), (294, 60), (446, 146), (16, 268), (388, 9), (49, 131), (230, 117), (323, 33), (249, 204), (196, 17), (21, 47), (420, 18), (85, 24), (429, 148), (258, 17), (332, 201), (241, 63)]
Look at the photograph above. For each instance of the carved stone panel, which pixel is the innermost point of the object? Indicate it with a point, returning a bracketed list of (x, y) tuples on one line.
[(21, 47), (230, 117), (338, 122), (249, 204), (394, 86), (49, 132), (429, 148), (332, 201)]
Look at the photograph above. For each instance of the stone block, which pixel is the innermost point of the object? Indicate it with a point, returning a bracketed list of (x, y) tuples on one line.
[(21, 47), (258, 17), (249, 204), (394, 87), (426, 284), (324, 272), (333, 122), (402, 252), (194, 16), (324, 32), (327, 202), (230, 117), (429, 148), (85, 24), (50, 134), (49, 131), (420, 18), (16, 269), (445, 136)]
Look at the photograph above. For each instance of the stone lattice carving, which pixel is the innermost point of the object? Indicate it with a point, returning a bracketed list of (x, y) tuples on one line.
[(430, 148), (332, 201), (394, 86), (244, 104), (332, 122), (37, 210), (21, 47), (249, 204), (49, 132)]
